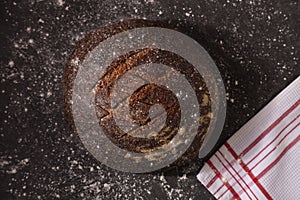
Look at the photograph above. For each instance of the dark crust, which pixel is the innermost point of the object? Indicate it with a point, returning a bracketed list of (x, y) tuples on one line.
[(146, 98), (139, 101)]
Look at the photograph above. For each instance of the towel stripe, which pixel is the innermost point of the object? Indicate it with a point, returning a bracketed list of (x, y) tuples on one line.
[(268, 130), (279, 157), (235, 195), (254, 179), (232, 175), (230, 164)]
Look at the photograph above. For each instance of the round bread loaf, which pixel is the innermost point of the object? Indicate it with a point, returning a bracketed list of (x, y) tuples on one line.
[(141, 101)]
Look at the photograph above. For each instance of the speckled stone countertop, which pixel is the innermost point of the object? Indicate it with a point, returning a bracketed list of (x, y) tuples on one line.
[(255, 44)]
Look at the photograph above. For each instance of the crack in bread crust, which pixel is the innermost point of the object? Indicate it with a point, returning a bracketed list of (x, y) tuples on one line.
[(168, 100)]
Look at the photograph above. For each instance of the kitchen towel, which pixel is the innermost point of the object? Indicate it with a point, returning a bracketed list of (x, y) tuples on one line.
[(262, 159)]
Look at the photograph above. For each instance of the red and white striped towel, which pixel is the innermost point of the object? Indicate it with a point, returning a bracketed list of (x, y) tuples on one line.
[(262, 159)]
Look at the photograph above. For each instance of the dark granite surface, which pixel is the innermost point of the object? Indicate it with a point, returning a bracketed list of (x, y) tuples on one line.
[(254, 43)]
